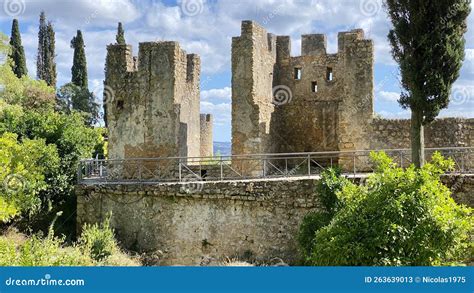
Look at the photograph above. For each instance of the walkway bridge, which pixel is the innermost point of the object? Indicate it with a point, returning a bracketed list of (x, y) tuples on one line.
[(246, 167)]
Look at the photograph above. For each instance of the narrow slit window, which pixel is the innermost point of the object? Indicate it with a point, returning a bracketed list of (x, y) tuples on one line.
[(314, 87), (329, 74), (297, 73), (120, 105)]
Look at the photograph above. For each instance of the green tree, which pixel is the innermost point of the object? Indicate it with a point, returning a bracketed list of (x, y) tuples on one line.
[(79, 66), (27, 92), (22, 173), (45, 62), (120, 38), (73, 97), (427, 41), (17, 54), (399, 217)]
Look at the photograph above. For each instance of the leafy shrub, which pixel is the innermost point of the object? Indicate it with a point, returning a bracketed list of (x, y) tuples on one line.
[(401, 217), (35, 251), (98, 241), (328, 189), (311, 223), (97, 247), (22, 168)]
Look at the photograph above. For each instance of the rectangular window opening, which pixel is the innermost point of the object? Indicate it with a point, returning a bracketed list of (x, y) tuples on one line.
[(314, 87), (329, 74), (297, 73)]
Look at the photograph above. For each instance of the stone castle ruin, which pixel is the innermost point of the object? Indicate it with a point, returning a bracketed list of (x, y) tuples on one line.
[(317, 101), (280, 104), (154, 111)]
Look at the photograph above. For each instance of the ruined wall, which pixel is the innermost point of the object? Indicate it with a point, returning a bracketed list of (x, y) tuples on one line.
[(307, 121), (220, 219), (313, 102), (444, 132), (207, 142), (253, 60), (153, 101), (245, 219)]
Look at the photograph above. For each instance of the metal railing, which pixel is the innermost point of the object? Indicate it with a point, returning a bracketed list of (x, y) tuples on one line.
[(258, 166)]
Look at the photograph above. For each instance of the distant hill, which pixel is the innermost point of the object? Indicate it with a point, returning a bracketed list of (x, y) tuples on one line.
[(222, 148)]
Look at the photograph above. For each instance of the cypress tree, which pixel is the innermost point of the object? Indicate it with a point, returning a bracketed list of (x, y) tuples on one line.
[(40, 68), (120, 35), (427, 41), (45, 61), (51, 57), (79, 66), (17, 51)]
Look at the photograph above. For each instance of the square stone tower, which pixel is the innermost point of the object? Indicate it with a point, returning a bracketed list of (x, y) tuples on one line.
[(152, 101), (308, 103)]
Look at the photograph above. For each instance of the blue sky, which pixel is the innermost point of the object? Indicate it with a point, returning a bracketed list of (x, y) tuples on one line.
[(206, 27)]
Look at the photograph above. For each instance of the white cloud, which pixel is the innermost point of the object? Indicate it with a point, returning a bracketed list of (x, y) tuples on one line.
[(209, 34), (405, 114), (221, 112), (388, 96), (79, 13), (221, 94)]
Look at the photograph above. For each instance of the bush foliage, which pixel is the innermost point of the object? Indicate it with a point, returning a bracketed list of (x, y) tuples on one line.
[(399, 217), (97, 247), (41, 149)]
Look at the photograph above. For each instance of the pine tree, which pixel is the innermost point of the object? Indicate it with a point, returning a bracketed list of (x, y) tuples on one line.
[(120, 35), (427, 41), (45, 62), (79, 66), (17, 51)]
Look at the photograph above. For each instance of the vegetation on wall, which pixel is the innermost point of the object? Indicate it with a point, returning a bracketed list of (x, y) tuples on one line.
[(399, 217)]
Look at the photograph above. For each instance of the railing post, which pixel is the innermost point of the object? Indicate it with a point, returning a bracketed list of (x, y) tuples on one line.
[(79, 172), (354, 162), (309, 165), (179, 170), (286, 167), (264, 167), (222, 169), (139, 171)]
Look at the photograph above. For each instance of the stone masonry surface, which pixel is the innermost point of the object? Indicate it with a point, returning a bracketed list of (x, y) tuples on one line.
[(256, 220)]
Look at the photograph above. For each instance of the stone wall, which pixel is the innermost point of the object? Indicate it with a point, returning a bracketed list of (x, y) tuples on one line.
[(253, 61), (227, 219), (152, 101), (445, 132), (207, 141), (187, 222)]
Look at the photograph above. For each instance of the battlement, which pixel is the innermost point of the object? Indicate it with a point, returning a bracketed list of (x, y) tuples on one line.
[(157, 92), (314, 44), (167, 54)]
